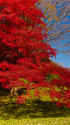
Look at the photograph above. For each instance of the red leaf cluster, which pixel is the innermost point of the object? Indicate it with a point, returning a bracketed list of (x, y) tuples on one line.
[(24, 55)]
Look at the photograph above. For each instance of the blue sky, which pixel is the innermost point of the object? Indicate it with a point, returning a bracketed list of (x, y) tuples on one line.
[(61, 58)]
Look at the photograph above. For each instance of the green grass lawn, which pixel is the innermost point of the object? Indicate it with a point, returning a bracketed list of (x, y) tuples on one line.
[(37, 121), (33, 112)]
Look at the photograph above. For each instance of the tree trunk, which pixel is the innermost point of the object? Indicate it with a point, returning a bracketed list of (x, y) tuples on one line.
[(13, 91)]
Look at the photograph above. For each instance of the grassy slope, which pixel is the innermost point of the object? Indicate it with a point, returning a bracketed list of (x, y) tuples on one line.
[(42, 112)]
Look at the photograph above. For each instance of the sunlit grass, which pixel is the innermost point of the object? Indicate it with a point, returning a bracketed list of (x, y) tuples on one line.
[(37, 121)]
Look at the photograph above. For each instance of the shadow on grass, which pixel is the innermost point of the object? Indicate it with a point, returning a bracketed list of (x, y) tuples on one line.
[(31, 109)]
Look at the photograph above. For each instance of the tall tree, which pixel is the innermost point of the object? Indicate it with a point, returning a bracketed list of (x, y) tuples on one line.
[(57, 14), (24, 57)]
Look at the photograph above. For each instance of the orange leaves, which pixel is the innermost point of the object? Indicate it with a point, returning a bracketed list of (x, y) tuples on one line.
[(37, 93)]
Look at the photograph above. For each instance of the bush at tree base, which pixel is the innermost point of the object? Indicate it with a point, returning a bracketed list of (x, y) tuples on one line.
[(25, 55)]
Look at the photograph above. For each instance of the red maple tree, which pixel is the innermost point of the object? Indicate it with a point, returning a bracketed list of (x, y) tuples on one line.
[(25, 55)]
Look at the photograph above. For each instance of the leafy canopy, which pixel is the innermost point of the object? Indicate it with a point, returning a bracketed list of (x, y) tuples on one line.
[(24, 55)]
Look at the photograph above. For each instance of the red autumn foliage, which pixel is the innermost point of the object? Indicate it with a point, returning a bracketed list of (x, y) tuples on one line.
[(24, 55)]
